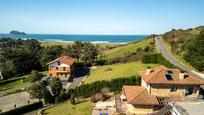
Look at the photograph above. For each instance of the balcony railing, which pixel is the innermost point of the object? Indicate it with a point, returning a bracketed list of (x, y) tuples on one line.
[(58, 71)]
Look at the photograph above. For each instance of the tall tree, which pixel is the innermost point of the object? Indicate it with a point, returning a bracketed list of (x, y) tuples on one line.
[(50, 53), (84, 52), (56, 86), (37, 90), (25, 55)]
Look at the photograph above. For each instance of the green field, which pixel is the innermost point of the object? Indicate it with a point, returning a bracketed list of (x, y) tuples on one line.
[(83, 108), (17, 84), (116, 71), (65, 44), (124, 50)]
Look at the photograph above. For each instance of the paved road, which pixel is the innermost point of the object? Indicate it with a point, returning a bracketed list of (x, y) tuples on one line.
[(172, 60)]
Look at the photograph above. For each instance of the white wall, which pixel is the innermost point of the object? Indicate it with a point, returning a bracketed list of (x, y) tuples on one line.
[(55, 64)]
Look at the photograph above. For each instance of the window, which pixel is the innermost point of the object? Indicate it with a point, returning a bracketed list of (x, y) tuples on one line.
[(64, 68), (58, 62), (168, 76), (173, 88)]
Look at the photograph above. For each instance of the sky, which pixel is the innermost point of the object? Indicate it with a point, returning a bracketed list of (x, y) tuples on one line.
[(100, 16)]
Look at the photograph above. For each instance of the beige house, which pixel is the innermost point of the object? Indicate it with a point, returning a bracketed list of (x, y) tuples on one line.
[(138, 100), (165, 82), (158, 87), (61, 67)]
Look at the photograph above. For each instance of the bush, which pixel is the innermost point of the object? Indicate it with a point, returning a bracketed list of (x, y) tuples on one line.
[(72, 99), (63, 96), (23, 109), (156, 58), (11, 80)]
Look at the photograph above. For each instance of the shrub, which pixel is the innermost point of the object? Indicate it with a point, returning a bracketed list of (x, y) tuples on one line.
[(88, 90), (156, 58), (72, 99)]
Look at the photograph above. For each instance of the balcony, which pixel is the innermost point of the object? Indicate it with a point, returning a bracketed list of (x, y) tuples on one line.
[(60, 71)]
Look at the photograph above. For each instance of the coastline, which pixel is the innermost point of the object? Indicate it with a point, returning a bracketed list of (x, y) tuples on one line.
[(95, 39)]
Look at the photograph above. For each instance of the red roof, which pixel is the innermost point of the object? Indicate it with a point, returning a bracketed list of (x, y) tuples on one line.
[(65, 59), (157, 76), (138, 95)]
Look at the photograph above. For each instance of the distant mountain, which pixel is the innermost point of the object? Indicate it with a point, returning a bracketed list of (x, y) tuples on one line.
[(14, 32)]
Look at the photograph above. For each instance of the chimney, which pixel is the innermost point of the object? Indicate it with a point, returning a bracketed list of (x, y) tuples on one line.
[(181, 75), (148, 70)]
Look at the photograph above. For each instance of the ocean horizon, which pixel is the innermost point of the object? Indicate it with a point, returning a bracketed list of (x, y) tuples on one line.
[(114, 39)]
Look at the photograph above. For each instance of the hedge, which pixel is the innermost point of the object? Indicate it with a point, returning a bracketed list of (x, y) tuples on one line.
[(24, 109), (11, 80), (156, 58), (114, 85)]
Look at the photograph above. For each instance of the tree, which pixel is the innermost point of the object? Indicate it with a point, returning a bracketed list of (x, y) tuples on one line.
[(56, 86), (63, 95), (195, 52), (35, 76), (48, 98), (24, 55), (37, 90), (50, 53), (6, 67), (84, 52)]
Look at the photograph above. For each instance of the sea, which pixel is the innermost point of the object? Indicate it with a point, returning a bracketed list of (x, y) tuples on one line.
[(111, 39)]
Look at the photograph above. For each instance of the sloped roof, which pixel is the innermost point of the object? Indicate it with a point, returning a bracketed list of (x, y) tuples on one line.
[(157, 76), (138, 95), (65, 59)]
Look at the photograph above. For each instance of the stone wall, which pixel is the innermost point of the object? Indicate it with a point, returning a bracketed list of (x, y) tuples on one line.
[(165, 90), (139, 109)]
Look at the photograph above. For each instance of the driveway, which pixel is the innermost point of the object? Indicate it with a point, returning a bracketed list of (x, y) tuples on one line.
[(78, 77), (171, 59), (193, 108)]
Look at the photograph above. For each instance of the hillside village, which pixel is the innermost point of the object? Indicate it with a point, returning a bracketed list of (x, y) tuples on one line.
[(134, 78)]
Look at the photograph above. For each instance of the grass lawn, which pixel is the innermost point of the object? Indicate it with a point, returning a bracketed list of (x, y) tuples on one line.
[(124, 50), (118, 70), (17, 84), (83, 108)]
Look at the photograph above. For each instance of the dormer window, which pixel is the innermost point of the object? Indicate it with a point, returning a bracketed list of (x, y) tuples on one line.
[(169, 75), (58, 62)]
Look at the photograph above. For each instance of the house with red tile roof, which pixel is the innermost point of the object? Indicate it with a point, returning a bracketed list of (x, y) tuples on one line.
[(166, 82), (61, 67), (158, 87), (138, 100)]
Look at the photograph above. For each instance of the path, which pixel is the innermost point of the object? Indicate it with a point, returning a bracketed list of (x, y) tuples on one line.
[(172, 60), (118, 103)]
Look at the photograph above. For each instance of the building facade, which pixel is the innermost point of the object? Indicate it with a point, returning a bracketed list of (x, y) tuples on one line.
[(61, 67)]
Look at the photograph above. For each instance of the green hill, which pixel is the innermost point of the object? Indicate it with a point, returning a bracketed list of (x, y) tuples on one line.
[(126, 49), (178, 42)]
